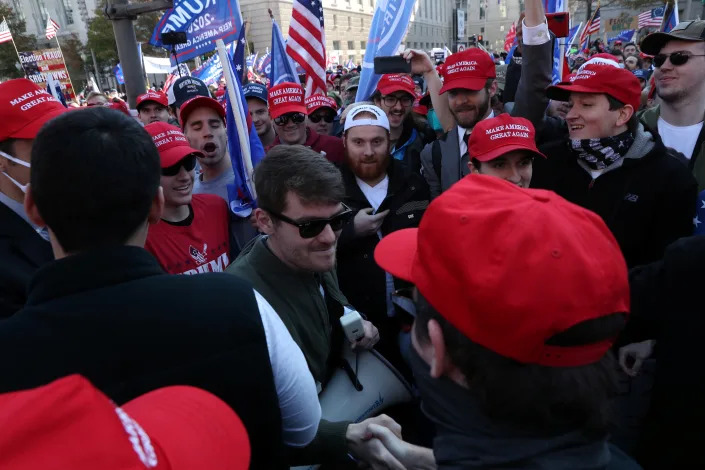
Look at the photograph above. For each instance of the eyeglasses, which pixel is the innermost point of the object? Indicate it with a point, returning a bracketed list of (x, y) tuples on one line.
[(296, 118), (676, 58), (188, 162), (390, 101), (312, 228), (316, 118)]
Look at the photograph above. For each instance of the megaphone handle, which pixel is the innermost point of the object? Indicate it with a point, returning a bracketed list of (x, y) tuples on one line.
[(357, 356)]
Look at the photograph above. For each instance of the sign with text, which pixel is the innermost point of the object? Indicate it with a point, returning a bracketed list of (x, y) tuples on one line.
[(621, 23), (203, 21), (37, 64)]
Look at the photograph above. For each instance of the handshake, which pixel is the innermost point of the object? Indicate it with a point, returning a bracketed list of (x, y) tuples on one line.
[(377, 444)]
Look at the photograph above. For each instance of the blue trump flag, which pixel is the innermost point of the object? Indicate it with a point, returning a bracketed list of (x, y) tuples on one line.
[(245, 154), (389, 25), (210, 71), (203, 21), (625, 35), (555, 6), (282, 69), (117, 71), (671, 19)]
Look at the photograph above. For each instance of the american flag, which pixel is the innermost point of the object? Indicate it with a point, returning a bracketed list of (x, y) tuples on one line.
[(5, 34), (307, 43), (651, 18), (52, 28), (592, 27), (511, 37)]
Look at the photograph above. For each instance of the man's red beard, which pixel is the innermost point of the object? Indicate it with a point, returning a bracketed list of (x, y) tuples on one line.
[(368, 168)]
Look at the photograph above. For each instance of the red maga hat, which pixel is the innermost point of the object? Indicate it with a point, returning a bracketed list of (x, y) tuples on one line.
[(286, 98), (199, 102), (492, 138), (156, 96), (317, 101), (69, 424), (616, 82), (392, 82), (510, 268), (171, 143), (24, 108), (468, 69)]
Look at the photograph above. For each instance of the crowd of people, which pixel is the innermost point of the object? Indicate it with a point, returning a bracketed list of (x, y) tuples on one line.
[(520, 252)]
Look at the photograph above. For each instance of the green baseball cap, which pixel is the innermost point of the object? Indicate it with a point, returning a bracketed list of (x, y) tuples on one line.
[(684, 31)]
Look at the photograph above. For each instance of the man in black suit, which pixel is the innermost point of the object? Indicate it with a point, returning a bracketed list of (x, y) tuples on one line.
[(24, 247), (106, 310)]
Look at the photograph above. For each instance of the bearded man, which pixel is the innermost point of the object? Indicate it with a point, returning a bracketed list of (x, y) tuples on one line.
[(385, 197)]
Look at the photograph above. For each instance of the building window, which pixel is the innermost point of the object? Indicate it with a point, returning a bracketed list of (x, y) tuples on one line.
[(336, 45), (363, 45), (18, 12), (482, 12), (68, 11), (335, 21), (349, 23), (351, 45), (362, 23)]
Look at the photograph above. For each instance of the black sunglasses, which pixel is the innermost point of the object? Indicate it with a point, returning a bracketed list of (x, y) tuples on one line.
[(312, 228), (316, 118), (188, 162), (676, 58), (294, 117)]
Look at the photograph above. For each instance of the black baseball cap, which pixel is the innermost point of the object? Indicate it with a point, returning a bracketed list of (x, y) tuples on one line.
[(255, 90), (684, 31), (186, 88)]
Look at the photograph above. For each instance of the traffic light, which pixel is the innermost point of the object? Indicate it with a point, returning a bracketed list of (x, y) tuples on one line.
[(479, 38)]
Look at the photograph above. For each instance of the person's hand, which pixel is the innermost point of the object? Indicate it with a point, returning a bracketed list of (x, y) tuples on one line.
[(371, 336), (369, 451), (558, 109), (632, 356), (412, 457), (367, 223), (420, 61)]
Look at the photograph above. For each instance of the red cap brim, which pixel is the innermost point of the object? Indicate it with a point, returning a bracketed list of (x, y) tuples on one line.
[(198, 102), (31, 130), (389, 89), (288, 108), (193, 428), (562, 91), (473, 84), (173, 155), (396, 253), (499, 151)]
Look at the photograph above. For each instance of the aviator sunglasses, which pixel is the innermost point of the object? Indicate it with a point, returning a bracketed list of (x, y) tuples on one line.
[(312, 228), (188, 162), (296, 118), (676, 58)]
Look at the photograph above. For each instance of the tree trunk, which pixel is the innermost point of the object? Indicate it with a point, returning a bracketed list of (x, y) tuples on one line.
[(588, 9)]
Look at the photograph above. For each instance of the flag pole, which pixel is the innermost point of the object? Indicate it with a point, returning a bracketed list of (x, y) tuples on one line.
[(15, 46), (73, 90)]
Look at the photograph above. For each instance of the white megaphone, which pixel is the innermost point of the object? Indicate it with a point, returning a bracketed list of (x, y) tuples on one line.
[(356, 396)]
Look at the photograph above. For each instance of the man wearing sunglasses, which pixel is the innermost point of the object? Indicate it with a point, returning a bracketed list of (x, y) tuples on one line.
[(321, 111), (301, 213), (395, 95), (385, 197), (288, 111), (24, 246), (192, 236), (679, 61)]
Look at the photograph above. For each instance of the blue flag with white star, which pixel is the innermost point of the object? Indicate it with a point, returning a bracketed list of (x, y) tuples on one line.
[(283, 68), (699, 220), (239, 55)]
